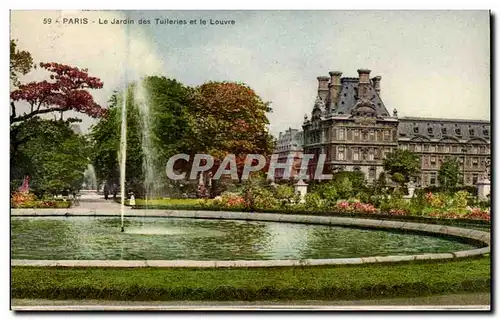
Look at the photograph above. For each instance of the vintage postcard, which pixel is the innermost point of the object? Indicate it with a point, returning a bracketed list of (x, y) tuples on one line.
[(250, 160)]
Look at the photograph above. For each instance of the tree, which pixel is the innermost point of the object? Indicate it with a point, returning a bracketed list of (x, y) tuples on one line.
[(105, 137), (153, 134), (21, 62), (230, 118), (67, 90), (357, 178), (449, 174), (402, 165), (55, 157)]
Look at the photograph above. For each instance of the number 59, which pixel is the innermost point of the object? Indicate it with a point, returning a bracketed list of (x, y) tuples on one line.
[(47, 20)]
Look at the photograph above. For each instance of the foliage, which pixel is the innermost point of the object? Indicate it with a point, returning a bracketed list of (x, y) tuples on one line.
[(286, 196), (229, 118), (29, 200), (21, 62), (343, 185), (54, 156), (356, 178), (402, 165), (167, 101), (344, 188), (229, 200), (257, 194), (460, 199), (67, 90), (313, 201), (355, 206), (18, 198), (449, 174)]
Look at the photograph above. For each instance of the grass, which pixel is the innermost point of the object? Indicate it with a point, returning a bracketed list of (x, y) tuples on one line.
[(250, 284)]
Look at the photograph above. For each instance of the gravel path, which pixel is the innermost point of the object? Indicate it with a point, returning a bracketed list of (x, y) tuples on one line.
[(472, 301)]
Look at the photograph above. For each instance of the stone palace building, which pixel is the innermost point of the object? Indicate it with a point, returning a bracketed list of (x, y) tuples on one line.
[(350, 123)]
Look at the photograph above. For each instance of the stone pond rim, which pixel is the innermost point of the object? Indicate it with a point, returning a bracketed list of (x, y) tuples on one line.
[(476, 235)]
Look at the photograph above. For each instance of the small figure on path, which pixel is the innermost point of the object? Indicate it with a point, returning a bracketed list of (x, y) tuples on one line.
[(131, 202), (115, 191), (106, 192)]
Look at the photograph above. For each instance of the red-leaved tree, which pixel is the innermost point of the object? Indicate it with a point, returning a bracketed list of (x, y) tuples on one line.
[(66, 90)]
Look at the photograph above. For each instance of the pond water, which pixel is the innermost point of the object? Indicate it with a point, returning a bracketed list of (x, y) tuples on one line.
[(99, 238)]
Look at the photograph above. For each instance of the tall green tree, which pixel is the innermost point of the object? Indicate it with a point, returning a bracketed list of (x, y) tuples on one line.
[(402, 165), (105, 137), (449, 174), (55, 157), (158, 126)]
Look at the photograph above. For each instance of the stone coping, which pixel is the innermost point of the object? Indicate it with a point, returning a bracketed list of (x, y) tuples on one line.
[(476, 235)]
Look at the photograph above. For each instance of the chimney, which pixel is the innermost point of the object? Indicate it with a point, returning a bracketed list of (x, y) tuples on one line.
[(376, 84), (364, 76), (323, 87), (364, 82), (335, 85)]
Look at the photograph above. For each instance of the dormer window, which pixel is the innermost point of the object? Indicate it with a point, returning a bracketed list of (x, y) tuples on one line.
[(486, 133), (458, 132), (429, 130), (471, 132), (415, 129), (443, 130)]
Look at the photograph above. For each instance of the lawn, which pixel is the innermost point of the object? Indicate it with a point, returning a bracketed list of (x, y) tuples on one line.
[(250, 284)]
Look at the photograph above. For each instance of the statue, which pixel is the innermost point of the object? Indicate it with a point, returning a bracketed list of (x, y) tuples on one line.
[(411, 188)]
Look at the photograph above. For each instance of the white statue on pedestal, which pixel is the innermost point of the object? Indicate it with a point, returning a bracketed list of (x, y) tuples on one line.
[(301, 189), (411, 188)]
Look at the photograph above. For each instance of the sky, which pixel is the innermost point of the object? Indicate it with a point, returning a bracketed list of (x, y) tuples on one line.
[(432, 63)]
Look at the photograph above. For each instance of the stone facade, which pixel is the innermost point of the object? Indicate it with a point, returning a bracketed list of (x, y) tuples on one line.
[(288, 144), (351, 125)]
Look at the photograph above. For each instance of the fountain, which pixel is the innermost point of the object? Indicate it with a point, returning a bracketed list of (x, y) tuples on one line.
[(90, 177), (123, 157), (151, 188)]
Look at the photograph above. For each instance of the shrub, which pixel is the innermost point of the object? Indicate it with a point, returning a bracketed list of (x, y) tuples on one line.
[(264, 199), (313, 201), (285, 195), (227, 200), (460, 199), (355, 206), (19, 198)]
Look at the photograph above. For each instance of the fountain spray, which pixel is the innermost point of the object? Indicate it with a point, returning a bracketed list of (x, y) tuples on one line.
[(123, 155), (123, 137)]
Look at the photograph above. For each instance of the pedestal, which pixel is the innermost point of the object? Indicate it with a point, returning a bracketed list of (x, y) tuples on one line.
[(483, 189), (301, 189)]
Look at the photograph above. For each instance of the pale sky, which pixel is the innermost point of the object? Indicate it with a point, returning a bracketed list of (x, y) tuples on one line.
[(432, 63)]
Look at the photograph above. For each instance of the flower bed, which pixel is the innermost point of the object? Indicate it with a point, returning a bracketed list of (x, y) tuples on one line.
[(29, 200), (429, 206)]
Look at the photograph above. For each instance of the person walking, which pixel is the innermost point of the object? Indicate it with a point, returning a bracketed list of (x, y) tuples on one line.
[(131, 202), (106, 192)]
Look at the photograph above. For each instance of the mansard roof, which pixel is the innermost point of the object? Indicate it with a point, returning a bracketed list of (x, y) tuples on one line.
[(319, 104), (347, 98), (444, 129)]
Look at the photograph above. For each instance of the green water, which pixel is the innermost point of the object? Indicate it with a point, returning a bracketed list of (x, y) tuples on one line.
[(99, 238)]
